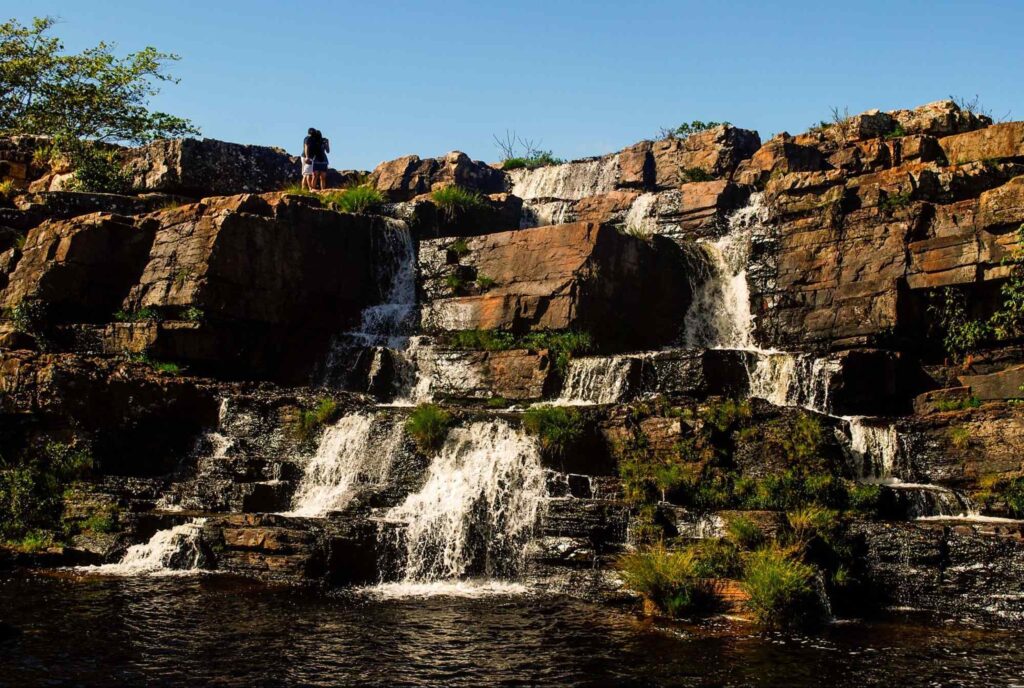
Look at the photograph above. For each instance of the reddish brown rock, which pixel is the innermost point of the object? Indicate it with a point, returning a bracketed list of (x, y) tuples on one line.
[(941, 118), (717, 152), (407, 177), (636, 166), (778, 156), (605, 207), (997, 142), (1004, 384), (579, 276)]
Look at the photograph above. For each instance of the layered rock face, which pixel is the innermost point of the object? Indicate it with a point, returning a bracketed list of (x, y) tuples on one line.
[(729, 333), (581, 276)]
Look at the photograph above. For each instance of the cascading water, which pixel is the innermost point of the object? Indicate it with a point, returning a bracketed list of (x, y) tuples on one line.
[(720, 317), (596, 380), (174, 551), (569, 181), (476, 510), (355, 453)]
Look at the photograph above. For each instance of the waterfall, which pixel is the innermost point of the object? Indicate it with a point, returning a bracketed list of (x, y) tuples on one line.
[(390, 322), (784, 379), (875, 446), (477, 508), (642, 215), (174, 551), (720, 317), (597, 380), (569, 181), (355, 453)]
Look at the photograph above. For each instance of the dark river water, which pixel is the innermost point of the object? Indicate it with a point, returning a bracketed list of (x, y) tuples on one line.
[(209, 631)]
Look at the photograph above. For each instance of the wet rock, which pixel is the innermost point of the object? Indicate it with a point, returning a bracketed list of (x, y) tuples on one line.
[(499, 212), (268, 546), (207, 167)]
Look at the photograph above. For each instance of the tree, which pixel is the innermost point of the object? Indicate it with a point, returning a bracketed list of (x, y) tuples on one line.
[(90, 96)]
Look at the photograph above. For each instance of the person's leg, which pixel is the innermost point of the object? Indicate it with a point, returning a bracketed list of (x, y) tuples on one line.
[(305, 183), (322, 176)]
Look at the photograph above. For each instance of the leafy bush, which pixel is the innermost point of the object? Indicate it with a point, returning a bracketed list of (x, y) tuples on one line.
[(897, 132), (717, 558), (7, 190), (557, 427), (28, 316), (454, 200), (518, 153), (670, 579), (357, 199), (563, 344), (1000, 488), (101, 521), (193, 314), (781, 589), (428, 426), (32, 492), (97, 171), (744, 533), (865, 498), (455, 282), (482, 340), (484, 282), (724, 414), (961, 335), (1008, 320)]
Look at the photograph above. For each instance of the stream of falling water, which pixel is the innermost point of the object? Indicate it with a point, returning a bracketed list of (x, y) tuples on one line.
[(720, 318), (170, 552), (356, 453), (474, 515)]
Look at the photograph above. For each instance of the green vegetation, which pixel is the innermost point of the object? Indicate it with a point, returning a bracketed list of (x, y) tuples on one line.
[(485, 282), (688, 128), (97, 170), (556, 427), (537, 159), (455, 200), (563, 344), (28, 317), (141, 315), (744, 533), (959, 437), (166, 367), (193, 314), (957, 404), (1002, 489), (459, 247), (636, 232), (310, 421), (695, 174), (725, 414), (812, 522), (895, 201), (897, 132), (671, 579), (297, 189), (428, 426), (101, 521), (7, 190), (455, 282), (32, 490), (781, 588), (357, 199), (498, 403)]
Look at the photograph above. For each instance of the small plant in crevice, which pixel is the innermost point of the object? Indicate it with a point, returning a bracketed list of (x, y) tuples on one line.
[(562, 344), (520, 153), (744, 533), (193, 314), (945, 405), (485, 282), (959, 437), (895, 201), (455, 282), (458, 248), (455, 200), (357, 199), (498, 403), (97, 170), (29, 316), (8, 190), (310, 421), (695, 174), (557, 428), (781, 588), (897, 132), (141, 315), (428, 426), (1004, 490)]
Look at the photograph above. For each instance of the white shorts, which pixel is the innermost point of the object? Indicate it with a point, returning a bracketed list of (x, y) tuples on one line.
[(307, 169)]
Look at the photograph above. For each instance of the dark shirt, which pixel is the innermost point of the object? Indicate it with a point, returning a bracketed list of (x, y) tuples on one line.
[(315, 149)]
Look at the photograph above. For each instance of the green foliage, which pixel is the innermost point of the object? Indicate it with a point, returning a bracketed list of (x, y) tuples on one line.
[(688, 128), (556, 427), (28, 316), (92, 95), (455, 282), (961, 335), (141, 315), (959, 437), (297, 189), (1008, 321), (193, 314), (357, 199), (497, 403), (32, 491), (744, 533), (781, 589), (670, 579), (101, 521), (428, 426), (1013, 495), (310, 421), (795, 442), (717, 558), (897, 132), (814, 522), (459, 247), (97, 170), (7, 190), (166, 367), (864, 498), (695, 174), (563, 344), (636, 232), (895, 201), (455, 200), (35, 541), (957, 404), (484, 282), (537, 159), (724, 414)]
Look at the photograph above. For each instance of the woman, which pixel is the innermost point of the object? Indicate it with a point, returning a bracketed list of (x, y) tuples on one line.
[(314, 151)]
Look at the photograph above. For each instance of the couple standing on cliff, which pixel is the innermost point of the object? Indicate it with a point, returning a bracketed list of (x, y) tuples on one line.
[(314, 160)]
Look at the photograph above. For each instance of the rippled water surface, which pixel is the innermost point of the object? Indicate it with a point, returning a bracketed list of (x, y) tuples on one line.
[(213, 631)]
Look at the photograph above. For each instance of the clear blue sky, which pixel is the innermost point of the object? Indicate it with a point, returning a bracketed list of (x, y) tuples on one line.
[(383, 79)]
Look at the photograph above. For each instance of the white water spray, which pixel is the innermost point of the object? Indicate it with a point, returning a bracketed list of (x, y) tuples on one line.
[(174, 551), (355, 453), (477, 509)]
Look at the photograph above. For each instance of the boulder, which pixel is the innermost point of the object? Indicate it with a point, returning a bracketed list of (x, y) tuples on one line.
[(604, 207), (780, 155), (407, 177), (498, 212), (717, 151), (83, 268), (941, 118), (207, 167), (996, 142), (1005, 384), (581, 276)]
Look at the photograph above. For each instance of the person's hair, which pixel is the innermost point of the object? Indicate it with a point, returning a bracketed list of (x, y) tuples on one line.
[(311, 131)]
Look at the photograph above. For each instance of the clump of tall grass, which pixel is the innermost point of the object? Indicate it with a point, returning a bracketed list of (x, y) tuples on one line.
[(357, 199), (428, 426), (670, 579)]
